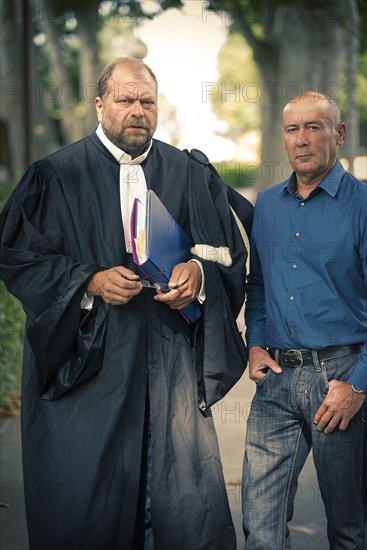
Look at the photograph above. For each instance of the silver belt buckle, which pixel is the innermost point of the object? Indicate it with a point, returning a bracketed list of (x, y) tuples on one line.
[(297, 353)]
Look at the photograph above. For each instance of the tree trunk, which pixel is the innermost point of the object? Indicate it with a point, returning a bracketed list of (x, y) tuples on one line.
[(351, 146), (42, 135), (60, 87), (13, 91), (90, 66), (27, 133)]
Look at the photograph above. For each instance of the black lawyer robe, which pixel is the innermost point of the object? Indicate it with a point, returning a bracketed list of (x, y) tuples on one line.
[(85, 374)]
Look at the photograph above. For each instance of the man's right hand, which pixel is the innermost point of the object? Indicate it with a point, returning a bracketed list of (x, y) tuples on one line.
[(260, 362), (116, 286)]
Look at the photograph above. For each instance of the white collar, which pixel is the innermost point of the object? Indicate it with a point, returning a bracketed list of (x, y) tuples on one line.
[(119, 154)]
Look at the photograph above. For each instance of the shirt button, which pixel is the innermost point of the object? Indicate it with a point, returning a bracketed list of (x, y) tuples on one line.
[(302, 203), (294, 266), (291, 298), (297, 234)]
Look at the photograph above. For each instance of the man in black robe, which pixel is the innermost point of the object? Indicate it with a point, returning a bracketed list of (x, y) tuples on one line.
[(117, 386)]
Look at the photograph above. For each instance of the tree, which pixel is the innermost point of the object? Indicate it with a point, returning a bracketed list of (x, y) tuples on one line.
[(27, 99), (298, 46), (49, 75), (12, 93), (59, 19)]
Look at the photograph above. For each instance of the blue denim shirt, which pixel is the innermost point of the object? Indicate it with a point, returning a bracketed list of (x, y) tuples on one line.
[(307, 286)]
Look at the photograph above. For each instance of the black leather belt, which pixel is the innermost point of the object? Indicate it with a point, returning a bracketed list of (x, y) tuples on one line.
[(304, 357)]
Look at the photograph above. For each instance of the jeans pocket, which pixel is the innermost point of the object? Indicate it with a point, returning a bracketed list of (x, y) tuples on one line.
[(325, 377), (263, 380), (339, 368)]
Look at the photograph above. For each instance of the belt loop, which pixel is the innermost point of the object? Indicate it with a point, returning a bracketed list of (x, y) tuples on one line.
[(276, 355), (315, 357)]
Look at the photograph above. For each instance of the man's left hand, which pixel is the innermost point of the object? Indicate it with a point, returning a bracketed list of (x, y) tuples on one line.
[(182, 296), (338, 407)]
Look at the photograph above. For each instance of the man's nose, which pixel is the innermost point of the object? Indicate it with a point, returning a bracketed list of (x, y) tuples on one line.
[(301, 137), (136, 109)]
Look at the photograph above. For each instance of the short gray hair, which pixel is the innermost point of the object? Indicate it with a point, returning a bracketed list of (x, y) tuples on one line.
[(128, 61), (331, 105)]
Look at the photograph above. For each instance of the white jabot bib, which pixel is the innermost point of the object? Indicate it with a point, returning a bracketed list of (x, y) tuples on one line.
[(132, 186), (132, 182)]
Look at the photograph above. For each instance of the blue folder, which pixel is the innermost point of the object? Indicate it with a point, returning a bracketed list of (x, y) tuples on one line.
[(165, 243)]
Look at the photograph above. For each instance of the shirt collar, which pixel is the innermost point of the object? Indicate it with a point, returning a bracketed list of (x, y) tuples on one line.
[(119, 154), (330, 183)]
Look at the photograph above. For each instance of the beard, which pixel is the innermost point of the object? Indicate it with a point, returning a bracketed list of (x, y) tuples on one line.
[(134, 142)]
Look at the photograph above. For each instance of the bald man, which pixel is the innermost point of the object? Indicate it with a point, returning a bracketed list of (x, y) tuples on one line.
[(306, 319)]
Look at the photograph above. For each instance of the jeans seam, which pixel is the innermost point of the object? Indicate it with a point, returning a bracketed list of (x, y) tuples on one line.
[(286, 499)]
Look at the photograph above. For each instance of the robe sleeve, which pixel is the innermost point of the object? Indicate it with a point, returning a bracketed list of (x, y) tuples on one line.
[(42, 265), (223, 254)]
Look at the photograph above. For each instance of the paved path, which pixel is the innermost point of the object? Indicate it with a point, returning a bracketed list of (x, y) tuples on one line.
[(13, 534), (308, 526)]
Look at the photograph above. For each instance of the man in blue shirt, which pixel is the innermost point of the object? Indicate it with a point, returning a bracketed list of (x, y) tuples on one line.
[(306, 321)]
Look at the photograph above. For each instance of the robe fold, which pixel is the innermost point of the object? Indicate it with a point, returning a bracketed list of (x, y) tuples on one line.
[(86, 373)]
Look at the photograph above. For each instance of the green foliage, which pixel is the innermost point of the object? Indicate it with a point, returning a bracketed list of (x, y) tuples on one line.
[(143, 10), (11, 342), (361, 85), (11, 332), (255, 14), (238, 174), (236, 97)]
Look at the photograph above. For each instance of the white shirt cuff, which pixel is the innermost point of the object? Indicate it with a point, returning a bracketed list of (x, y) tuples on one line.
[(87, 302), (201, 296)]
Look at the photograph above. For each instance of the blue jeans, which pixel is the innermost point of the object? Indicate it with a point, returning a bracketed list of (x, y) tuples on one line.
[(280, 434)]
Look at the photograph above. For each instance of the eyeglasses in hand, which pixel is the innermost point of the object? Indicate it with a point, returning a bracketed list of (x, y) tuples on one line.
[(146, 283)]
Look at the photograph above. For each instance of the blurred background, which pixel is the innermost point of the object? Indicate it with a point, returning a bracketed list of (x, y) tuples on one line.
[(225, 70)]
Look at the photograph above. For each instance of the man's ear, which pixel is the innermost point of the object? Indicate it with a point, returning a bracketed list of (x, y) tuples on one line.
[(342, 133), (99, 108)]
